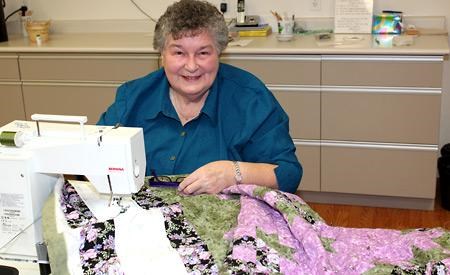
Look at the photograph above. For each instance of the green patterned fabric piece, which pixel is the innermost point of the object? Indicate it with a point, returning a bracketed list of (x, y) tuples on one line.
[(287, 210), (259, 191), (422, 257), (444, 240), (273, 241), (380, 269), (327, 242), (211, 217), (407, 231)]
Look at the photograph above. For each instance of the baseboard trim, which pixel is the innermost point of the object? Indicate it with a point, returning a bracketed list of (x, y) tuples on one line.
[(368, 200)]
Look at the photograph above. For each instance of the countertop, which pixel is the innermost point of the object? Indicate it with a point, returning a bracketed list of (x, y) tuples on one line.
[(137, 43)]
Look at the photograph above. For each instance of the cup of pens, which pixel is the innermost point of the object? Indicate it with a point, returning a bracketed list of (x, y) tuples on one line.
[(285, 27)]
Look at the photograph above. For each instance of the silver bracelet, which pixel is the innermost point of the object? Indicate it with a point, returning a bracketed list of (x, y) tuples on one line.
[(237, 172)]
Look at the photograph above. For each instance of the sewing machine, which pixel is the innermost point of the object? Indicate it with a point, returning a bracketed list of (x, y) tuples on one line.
[(34, 156)]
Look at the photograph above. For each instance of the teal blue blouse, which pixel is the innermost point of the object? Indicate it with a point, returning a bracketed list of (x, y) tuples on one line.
[(241, 120)]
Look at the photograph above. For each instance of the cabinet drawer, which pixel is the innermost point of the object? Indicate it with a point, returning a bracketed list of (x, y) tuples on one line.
[(67, 99), (110, 68), (11, 103), (379, 170), (308, 153), (9, 68), (387, 71), (287, 70), (381, 115), (302, 104)]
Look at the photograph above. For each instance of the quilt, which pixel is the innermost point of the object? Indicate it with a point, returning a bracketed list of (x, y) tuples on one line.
[(245, 230)]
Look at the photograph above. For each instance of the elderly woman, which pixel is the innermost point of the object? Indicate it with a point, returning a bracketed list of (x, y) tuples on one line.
[(213, 121)]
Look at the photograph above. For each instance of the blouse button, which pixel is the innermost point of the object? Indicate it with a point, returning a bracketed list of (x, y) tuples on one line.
[(183, 133), (173, 158)]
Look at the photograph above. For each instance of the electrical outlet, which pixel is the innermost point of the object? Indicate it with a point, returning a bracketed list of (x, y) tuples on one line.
[(315, 5), (223, 7)]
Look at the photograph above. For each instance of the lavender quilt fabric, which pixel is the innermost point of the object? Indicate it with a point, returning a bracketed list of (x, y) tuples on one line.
[(255, 230), (279, 233)]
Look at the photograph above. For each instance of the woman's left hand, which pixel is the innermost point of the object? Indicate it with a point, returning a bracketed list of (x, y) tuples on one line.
[(211, 178)]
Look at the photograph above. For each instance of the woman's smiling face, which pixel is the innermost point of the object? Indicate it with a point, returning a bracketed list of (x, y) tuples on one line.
[(191, 63)]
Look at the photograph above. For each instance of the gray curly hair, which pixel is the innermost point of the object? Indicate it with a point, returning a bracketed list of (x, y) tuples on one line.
[(188, 18)]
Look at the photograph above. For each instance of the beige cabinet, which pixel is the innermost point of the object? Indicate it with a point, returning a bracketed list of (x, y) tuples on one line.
[(85, 67), (406, 115), (380, 126), (379, 169), (382, 70), (295, 82), (366, 127), (78, 84), (308, 152), (279, 69), (302, 104), (68, 99), (9, 69), (11, 100)]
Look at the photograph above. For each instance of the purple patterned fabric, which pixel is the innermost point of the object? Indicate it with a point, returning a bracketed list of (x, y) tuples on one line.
[(313, 247), (97, 242), (97, 249)]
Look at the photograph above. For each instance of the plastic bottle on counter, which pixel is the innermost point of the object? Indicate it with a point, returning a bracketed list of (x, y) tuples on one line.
[(38, 40)]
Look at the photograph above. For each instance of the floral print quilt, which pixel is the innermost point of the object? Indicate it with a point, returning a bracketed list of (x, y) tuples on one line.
[(255, 230)]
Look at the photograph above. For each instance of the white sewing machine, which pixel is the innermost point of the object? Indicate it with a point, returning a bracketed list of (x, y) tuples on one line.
[(33, 157)]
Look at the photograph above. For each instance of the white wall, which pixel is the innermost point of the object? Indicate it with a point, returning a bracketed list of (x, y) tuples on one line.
[(124, 9), (11, 5)]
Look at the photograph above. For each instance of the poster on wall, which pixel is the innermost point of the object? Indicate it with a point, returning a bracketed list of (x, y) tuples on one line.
[(353, 16)]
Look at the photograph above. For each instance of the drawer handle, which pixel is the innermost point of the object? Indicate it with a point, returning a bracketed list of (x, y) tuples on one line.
[(388, 58), (378, 145)]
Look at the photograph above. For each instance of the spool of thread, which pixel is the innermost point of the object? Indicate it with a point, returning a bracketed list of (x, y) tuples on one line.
[(11, 139)]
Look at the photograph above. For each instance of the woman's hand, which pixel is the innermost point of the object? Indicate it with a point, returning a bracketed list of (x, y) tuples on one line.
[(211, 178)]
